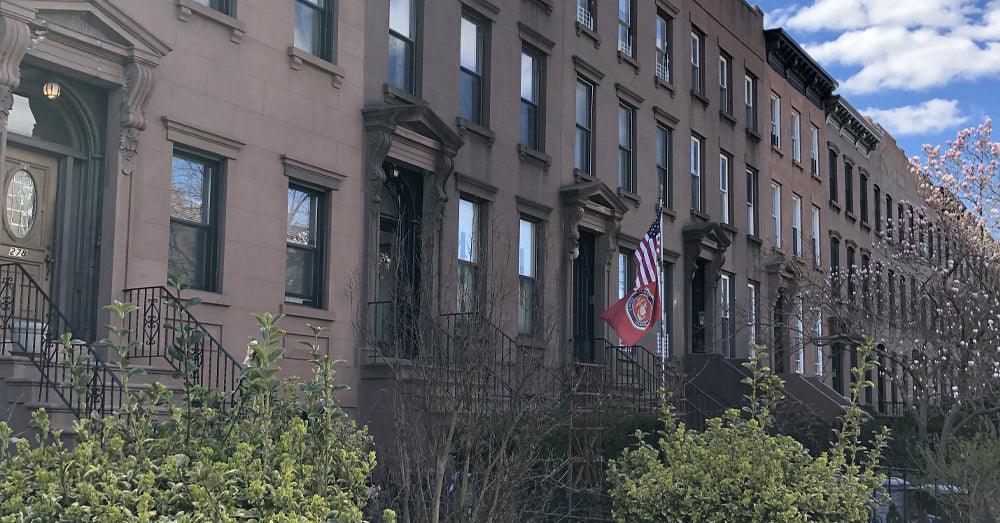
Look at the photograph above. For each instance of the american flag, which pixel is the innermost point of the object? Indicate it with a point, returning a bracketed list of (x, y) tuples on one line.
[(647, 256)]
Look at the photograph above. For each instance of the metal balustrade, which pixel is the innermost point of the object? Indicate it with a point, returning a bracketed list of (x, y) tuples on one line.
[(33, 325), (585, 18), (151, 330)]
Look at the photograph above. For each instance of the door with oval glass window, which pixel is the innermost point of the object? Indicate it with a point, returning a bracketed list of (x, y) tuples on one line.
[(29, 194)]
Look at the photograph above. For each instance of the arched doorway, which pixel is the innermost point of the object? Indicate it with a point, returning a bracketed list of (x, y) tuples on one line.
[(51, 191)]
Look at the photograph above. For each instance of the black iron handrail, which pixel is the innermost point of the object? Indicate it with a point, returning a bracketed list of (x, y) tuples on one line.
[(30, 320), (217, 369), (507, 375)]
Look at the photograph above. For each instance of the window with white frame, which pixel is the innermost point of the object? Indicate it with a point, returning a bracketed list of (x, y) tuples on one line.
[(625, 23), (752, 302), (696, 74), (663, 47), (817, 337), (527, 267), (796, 225), (751, 201), (798, 338), (817, 256), (626, 146), (726, 314), (749, 101), (585, 13), (725, 195), (468, 254), (626, 272), (402, 45), (725, 77), (776, 214), (796, 142), (471, 68), (813, 150), (695, 159), (664, 169), (775, 121), (584, 124)]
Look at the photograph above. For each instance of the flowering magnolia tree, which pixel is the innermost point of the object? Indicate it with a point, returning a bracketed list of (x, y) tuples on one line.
[(928, 292)]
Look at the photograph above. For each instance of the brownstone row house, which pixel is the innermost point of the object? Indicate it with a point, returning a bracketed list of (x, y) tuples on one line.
[(268, 151)]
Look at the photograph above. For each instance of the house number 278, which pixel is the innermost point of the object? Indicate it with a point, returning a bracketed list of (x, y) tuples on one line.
[(17, 252)]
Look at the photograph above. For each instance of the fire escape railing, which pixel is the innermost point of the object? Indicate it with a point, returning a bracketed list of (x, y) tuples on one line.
[(32, 324), (151, 330)]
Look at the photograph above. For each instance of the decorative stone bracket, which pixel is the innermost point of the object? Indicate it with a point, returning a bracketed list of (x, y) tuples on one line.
[(136, 91), (14, 39)]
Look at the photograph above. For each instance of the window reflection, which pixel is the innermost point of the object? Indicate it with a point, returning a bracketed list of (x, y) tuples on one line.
[(39, 118)]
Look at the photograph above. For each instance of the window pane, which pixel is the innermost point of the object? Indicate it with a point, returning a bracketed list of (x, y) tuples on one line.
[(400, 16), (529, 125), (583, 104), (526, 306), (308, 29), (301, 227), (528, 78), (400, 63), (467, 236), (582, 149), (526, 249), (469, 97), (299, 271), (469, 46), (188, 190), (187, 254), (624, 126)]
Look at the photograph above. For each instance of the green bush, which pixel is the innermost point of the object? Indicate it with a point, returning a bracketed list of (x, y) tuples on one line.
[(284, 451), (738, 470)]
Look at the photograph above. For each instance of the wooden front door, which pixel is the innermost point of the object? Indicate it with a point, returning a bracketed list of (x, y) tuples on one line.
[(28, 212)]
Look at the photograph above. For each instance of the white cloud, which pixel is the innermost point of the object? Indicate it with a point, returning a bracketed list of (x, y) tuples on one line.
[(907, 45), (856, 14), (926, 117)]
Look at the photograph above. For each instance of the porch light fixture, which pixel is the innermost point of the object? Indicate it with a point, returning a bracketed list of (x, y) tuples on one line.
[(51, 90)]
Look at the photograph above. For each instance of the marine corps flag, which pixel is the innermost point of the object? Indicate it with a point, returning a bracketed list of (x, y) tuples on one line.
[(636, 313)]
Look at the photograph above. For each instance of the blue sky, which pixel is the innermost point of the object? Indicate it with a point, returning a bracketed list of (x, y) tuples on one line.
[(921, 68)]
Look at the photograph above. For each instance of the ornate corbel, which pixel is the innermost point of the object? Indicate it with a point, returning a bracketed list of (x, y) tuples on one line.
[(378, 141), (14, 39), (574, 213), (137, 89), (613, 225)]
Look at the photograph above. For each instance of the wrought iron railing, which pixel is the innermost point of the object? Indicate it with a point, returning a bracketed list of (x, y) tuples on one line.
[(584, 17), (631, 375), (31, 324), (154, 330), (472, 359)]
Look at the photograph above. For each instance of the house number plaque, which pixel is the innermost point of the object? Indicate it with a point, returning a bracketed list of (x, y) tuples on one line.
[(17, 252)]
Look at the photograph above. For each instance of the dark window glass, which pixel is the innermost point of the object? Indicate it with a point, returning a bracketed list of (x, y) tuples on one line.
[(663, 47), (402, 45), (835, 266), (664, 155), (531, 100), (851, 273), (863, 203), (471, 71), (304, 258), (223, 6), (848, 187), (313, 23), (833, 176), (584, 124), (194, 215), (626, 146), (877, 200)]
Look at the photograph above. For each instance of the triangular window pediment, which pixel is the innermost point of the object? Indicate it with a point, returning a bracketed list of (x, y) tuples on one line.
[(100, 26)]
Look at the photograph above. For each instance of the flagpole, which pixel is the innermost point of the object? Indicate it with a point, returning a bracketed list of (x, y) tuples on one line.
[(664, 342)]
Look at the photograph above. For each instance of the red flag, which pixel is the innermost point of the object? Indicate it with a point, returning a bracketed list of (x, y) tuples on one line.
[(635, 314)]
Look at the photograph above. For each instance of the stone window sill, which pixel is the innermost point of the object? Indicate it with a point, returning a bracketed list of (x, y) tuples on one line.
[(468, 126), (850, 216), (728, 118), (207, 297), (755, 239), (301, 311), (777, 151), (298, 57), (394, 95), (670, 213), (583, 30), (526, 153), (866, 226), (237, 29), (835, 206), (797, 165), (631, 196), (664, 84), (695, 95), (622, 57), (753, 135), (583, 176), (700, 215)]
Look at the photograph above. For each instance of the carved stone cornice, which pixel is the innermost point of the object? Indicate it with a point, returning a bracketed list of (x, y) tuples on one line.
[(136, 91)]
